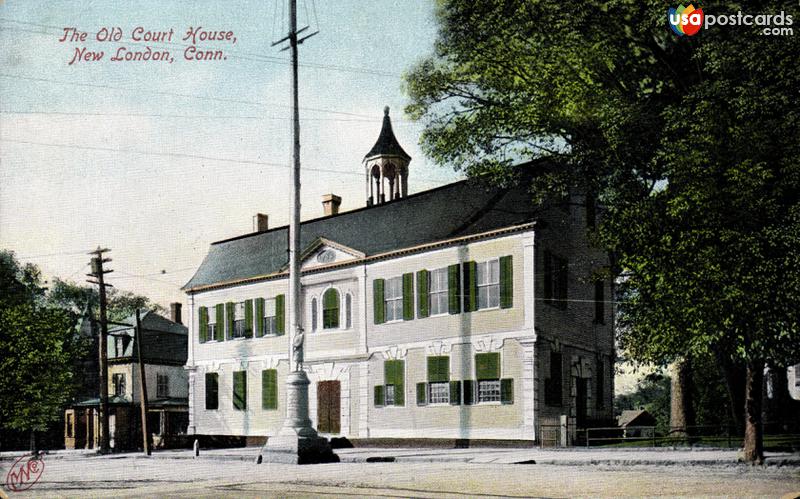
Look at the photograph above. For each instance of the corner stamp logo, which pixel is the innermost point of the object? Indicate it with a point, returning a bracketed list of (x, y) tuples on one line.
[(685, 20), (24, 473)]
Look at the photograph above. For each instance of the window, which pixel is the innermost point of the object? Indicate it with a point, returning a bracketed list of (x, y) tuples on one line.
[(437, 293), (599, 302), (394, 299), (488, 284), (439, 379), (269, 389), (240, 390), (118, 382), (120, 343), (238, 321), (313, 314), (212, 327), (348, 311), (553, 388), (394, 382), (330, 309), (269, 321), (555, 280), (212, 391), (487, 371), (162, 386)]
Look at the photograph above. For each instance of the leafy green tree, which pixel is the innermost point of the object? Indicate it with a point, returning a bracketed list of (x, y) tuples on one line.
[(76, 298), (38, 349), (690, 143)]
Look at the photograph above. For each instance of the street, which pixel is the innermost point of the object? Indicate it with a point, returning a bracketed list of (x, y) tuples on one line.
[(169, 476)]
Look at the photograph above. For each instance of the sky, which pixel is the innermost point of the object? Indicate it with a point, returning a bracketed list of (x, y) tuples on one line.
[(157, 160)]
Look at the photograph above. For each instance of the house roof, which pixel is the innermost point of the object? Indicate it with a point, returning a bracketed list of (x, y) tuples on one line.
[(152, 322), (464, 208), (636, 418), (387, 144)]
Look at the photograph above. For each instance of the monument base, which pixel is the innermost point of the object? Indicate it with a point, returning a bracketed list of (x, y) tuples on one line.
[(294, 449)]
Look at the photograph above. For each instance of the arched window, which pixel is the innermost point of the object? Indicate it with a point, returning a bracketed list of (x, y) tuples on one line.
[(313, 314), (348, 311), (330, 309)]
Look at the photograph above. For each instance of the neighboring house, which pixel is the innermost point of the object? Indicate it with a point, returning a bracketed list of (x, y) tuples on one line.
[(637, 423), (463, 312), (164, 348)]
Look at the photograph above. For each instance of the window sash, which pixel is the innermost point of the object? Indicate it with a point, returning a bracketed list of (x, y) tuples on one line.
[(388, 395), (439, 392), (489, 390), (393, 297), (162, 385), (212, 331), (488, 280), (270, 325), (238, 329), (438, 292)]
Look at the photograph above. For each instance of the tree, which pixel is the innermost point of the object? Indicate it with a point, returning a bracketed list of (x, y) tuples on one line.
[(76, 298), (38, 347), (690, 143)]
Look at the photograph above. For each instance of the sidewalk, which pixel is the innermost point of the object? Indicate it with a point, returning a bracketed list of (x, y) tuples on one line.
[(555, 456)]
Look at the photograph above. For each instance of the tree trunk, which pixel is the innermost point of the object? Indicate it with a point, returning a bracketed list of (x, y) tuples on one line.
[(681, 407), (34, 447), (753, 435)]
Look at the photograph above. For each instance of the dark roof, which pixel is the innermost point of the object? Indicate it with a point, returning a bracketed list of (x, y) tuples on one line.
[(636, 418), (152, 322), (164, 341), (387, 144), (460, 209)]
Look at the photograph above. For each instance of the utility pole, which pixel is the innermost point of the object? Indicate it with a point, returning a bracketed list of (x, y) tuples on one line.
[(98, 273), (138, 336), (297, 442)]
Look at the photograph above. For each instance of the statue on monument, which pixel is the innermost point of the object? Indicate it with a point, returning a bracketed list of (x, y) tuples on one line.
[(297, 349)]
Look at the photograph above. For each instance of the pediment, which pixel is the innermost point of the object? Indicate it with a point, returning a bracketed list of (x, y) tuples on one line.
[(323, 252)]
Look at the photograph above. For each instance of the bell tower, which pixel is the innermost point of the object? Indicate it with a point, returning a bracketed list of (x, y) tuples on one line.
[(386, 166)]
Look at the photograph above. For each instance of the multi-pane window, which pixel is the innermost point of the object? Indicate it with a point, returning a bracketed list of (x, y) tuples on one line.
[(439, 379), (489, 390), (212, 391), (238, 321), (330, 309), (269, 319), (393, 298), (118, 381), (389, 395), (212, 327), (437, 292), (162, 386), (488, 277), (555, 280)]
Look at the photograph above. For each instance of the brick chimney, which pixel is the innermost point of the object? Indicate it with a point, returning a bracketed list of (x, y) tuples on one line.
[(175, 312), (330, 203), (262, 222)]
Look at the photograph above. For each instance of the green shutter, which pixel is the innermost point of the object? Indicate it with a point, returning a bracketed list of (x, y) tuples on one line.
[(438, 369), (470, 286), (423, 307), (259, 317), (506, 282), (203, 323), (269, 389), (455, 393), (487, 365), (240, 390), (422, 393), (379, 311), (219, 333), (408, 296), (469, 392), (393, 374), (379, 396), (507, 391), (248, 318), (230, 314), (212, 391), (454, 289), (280, 314)]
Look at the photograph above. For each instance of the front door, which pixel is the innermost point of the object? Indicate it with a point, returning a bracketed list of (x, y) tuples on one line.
[(580, 402), (328, 407)]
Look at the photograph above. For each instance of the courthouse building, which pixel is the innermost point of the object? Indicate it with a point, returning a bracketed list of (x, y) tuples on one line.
[(462, 312)]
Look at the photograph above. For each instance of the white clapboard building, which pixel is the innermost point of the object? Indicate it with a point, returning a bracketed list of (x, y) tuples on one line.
[(462, 312)]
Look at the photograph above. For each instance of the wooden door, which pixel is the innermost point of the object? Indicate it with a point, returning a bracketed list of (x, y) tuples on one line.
[(328, 407)]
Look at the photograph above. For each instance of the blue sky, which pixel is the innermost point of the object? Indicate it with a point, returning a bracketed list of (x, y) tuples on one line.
[(156, 161)]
